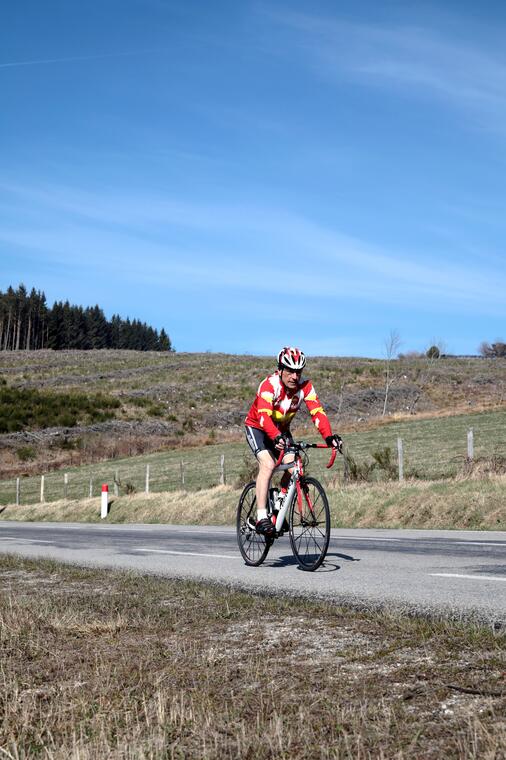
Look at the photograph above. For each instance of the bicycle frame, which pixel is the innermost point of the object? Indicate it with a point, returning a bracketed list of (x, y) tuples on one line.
[(294, 486)]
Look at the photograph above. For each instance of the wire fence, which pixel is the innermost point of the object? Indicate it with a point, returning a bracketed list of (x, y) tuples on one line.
[(428, 449)]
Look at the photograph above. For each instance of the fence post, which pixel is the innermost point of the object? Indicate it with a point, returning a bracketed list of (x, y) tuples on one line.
[(18, 492), (147, 478), (400, 455), (104, 502), (223, 478), (42, 489), (91, 487), (182, 473), (65, 485), (470, 444), (116, 482)]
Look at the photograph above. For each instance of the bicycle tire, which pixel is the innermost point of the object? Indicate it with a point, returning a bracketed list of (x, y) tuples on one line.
[(310, 531), (253, 546)]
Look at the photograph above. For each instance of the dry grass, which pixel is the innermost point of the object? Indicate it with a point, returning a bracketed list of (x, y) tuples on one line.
[(476, 504), (468, 503), (121, 666)]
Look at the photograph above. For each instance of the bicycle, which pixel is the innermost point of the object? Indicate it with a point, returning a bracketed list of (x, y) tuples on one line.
[(304, 513)]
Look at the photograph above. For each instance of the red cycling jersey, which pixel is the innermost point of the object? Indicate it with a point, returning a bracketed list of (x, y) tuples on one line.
[(274, 407)]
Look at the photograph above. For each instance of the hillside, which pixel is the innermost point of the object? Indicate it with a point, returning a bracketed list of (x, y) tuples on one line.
[(177, 399)]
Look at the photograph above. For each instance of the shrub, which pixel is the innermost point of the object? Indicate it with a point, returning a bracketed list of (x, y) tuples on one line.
[(24, 408), (493, 350), (25, 453), (357, 471), (69, 444), (484, 466), (155, 410), (384, 461)]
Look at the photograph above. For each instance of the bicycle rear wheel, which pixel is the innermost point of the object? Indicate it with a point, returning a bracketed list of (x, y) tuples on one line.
[(253, 546), (309, 524)]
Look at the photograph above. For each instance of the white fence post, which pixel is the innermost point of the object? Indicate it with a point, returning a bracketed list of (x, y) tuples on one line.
[(18, 492), (400, 455), (147, 478), (182, 473), (223, 478), (42, 489), (470, 444), (65, 485), (91, 487), (104, 504)]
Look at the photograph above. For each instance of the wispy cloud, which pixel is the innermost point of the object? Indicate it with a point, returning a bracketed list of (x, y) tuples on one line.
[(220, 242), (419, 59), (69, 59)]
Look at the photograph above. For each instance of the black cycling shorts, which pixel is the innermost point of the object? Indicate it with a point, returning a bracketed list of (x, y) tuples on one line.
[(260, 441)]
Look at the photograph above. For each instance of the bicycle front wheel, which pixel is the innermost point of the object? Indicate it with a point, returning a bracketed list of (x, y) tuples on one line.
[(253, 546), (309, 524)]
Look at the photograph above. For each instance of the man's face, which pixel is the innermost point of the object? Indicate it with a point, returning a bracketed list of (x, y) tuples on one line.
[(290, 378)]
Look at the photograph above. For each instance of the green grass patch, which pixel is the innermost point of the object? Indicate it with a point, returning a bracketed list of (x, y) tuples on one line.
[(433, 448)]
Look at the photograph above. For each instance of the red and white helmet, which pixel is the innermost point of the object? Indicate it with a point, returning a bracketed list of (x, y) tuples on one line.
[(291, 358)]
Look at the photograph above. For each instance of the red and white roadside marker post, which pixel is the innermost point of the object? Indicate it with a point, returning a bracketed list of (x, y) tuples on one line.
[(104, 508)]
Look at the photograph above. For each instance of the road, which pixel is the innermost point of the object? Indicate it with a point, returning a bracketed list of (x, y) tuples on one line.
[(452, 572)]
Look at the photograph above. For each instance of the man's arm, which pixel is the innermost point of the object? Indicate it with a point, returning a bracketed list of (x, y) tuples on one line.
[(320, 419)]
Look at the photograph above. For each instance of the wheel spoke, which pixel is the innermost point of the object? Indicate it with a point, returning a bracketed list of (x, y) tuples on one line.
[(254, 547), (310, 526)]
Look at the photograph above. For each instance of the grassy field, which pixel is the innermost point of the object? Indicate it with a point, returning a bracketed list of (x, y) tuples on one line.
[(123, 666), (433, 448)]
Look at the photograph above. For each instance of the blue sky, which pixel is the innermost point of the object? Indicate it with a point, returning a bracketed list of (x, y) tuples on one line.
[(255, 174)]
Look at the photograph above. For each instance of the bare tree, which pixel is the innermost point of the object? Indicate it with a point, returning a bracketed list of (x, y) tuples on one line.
[(392, 345), (493, 350), (436, 349)]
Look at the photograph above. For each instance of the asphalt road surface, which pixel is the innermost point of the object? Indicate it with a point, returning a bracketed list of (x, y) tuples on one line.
[(460, 573)]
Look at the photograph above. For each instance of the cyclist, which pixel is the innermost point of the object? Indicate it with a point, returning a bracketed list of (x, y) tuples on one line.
[(268, 424)]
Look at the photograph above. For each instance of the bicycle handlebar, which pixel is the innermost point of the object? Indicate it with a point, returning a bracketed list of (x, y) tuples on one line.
[(301, 445)]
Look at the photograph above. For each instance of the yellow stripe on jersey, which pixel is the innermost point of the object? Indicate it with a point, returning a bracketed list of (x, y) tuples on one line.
[(267, 396), (280, 417), (318, 410), (312, 396), (268, 412)]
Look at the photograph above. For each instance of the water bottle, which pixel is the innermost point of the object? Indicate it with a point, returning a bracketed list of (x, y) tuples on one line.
[(273, 501)]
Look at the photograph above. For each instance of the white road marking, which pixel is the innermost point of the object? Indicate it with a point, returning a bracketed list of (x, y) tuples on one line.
[(187, 554), (482, 543), (469, 577), (25, 540), (358, 538)]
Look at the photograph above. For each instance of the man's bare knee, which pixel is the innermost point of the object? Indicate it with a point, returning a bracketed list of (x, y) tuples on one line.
[(266, 463)]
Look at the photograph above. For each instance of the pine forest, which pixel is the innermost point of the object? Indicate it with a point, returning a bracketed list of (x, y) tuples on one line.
[(28, 323)]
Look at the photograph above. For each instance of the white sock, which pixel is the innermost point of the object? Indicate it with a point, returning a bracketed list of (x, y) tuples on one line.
[(261, 514)]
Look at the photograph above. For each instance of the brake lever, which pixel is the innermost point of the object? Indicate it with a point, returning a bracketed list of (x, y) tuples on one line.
[(280, 458), (332, 458)]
